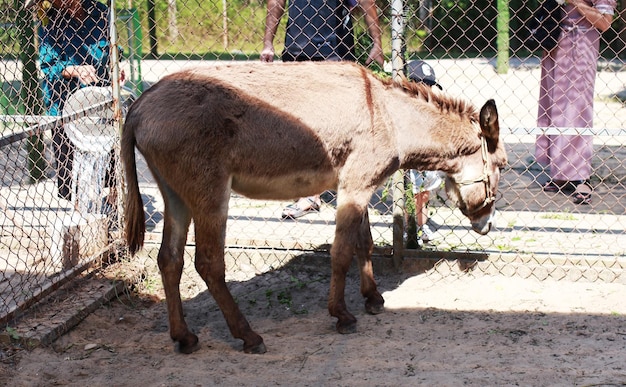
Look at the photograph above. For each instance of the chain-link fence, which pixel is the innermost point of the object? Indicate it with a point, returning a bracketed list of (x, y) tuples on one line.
[(475, 49)]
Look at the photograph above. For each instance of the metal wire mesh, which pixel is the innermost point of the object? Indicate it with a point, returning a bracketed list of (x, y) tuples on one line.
[(476, 52)]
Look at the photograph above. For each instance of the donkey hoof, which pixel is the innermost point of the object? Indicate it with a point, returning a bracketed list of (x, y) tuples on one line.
[(346, 328), (255, 349), (188, 345), (375, 306)]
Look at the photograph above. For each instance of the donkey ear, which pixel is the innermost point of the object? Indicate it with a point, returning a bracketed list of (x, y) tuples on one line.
[(489, 122)]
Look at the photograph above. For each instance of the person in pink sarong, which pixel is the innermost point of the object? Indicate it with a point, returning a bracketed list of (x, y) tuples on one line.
[(568, 74)]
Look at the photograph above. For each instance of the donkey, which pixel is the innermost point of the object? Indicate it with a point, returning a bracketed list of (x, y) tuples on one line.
[(289, 130)]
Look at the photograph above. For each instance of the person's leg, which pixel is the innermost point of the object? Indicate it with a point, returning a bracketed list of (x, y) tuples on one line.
[(421, 212), (421, 215), (302, 207)]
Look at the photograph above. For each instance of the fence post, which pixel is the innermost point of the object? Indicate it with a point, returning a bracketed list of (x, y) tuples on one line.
[(152, 31), (397, 182), (225, 25), (502, 23), (133, 28), (30, 93)]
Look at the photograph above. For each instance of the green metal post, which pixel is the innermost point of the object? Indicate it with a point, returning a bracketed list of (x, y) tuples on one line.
[(502, 24), (152, 30), (30, 93), (135, 37)]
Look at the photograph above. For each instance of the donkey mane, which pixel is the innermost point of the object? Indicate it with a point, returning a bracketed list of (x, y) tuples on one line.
[(444, 102)]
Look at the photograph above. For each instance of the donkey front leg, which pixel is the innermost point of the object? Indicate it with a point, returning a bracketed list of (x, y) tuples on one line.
[(374, 302), (349, 217), (170, 259), (210, 234)]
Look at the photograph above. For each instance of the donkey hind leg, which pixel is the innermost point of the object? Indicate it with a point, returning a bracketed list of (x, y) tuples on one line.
[(175, 227), (374, 302), (350, 216), (210, 230)]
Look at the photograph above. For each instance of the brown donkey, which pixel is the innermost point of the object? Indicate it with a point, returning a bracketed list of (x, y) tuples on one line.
[(283, 131)]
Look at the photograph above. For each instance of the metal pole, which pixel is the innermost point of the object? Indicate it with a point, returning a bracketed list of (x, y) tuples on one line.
[(115, 67), (152, 31), (503, 19), (30, 92), (397, 180), (135, 48), (116, 93), (397, 38), (225, 25)]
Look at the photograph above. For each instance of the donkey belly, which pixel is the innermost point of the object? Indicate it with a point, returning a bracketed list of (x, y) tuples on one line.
[(283, 187)]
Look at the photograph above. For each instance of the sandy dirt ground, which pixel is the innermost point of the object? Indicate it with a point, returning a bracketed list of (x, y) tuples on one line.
[(442, 327), (446, 330)]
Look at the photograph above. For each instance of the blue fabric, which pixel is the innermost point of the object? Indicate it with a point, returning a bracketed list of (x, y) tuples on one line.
[(318, 30), (67, 42)]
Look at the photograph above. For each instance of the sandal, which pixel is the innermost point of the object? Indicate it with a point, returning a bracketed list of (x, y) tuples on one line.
[(565, 186), (294, 211), (571, 186), (582, 194), (550, 187)]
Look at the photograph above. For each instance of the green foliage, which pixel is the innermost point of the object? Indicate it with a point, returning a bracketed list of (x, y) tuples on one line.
[(268, 297), (8, 41), (454, 29), (151, 284), (465, 26), (559, 216), (12, 333), (201, 28), (298, 284), (284, 298)]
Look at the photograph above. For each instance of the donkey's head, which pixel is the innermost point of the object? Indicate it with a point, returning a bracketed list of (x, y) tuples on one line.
[(475, 186)]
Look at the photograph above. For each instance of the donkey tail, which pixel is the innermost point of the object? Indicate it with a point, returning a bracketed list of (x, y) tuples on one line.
[(134, 216)]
